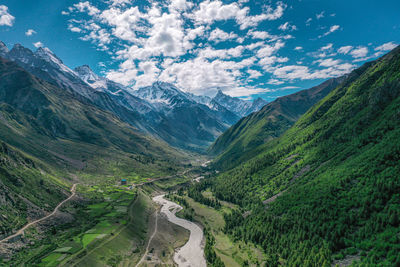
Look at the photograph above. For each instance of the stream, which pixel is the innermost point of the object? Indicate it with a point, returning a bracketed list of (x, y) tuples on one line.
[(192, 253)]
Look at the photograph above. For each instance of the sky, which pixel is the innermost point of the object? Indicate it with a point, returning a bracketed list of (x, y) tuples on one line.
[(245, 48)]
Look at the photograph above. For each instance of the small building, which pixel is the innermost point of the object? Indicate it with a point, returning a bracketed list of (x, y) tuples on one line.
[(123, 182)]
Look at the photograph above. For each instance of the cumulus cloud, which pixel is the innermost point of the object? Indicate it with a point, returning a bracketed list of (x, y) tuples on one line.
[(386, 47), (267, 50), (329, 62), (359, 52), (219, 35), (180, 41), (30, 32), (293, 72), (253, 74), (6, 19), (211, 11), (87, 7)]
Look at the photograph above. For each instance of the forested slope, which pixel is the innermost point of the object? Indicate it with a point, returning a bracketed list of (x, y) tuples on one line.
[(334, 175), (240, 142)]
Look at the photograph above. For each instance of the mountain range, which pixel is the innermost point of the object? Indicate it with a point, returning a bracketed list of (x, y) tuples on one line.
[(162, 110)]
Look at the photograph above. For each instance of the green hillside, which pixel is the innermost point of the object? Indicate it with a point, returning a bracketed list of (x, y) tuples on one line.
[(239, 142), (25, 190), (328, 188), (53, 125), (50, 138)]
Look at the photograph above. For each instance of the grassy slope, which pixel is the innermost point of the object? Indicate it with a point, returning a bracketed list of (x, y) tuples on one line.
[(339, 165), (239, 142), (52, 125), (25, 190), (49, 137)]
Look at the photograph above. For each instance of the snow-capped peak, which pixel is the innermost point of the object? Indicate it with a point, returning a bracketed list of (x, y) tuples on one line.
[(161, 92), (91, 78), (3, 49), (47, 55)]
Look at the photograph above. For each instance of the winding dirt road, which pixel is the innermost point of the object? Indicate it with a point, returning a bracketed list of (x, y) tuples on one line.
[(192, 253), (21, 231), (149, 242)]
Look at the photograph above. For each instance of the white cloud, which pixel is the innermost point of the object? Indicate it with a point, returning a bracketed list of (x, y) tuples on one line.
[(87, 7), (386, 47), (247, 21), (266, 35), (359, 52), (177, 41), (268, 50), (38, 44), (211, 11), (74, 29), (6, 19), (96, 35), (192, 34), (119, 2), (320, 15), (200, 75), (345, 49), (331, 30), (30, 32), (180, 5), (253, 74), (275, 82), (125, 23), (329, 62), (327, 47), (259, 35), (209, 52), (219, 35), (293, 72), (287, 27)]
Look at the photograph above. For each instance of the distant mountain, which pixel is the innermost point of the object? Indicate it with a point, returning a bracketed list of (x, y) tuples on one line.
[(185, 123), (3, 49), (46, 65), (161, 110), (326, 192), (119, 93), (47, 114), (236, 105), (257, 105), (239, 141)]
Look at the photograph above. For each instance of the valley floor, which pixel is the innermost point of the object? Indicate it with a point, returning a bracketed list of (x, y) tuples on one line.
[(129, 225)]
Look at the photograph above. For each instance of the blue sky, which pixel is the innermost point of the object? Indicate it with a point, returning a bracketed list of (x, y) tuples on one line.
[(245, 48)]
